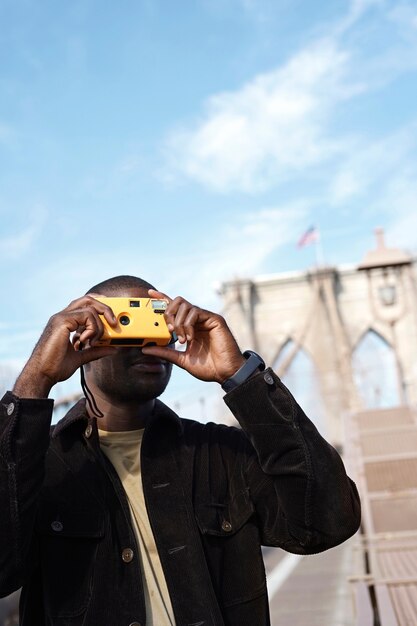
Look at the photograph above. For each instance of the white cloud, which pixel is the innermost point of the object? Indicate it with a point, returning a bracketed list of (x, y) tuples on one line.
[(270, 128), (281, 125)]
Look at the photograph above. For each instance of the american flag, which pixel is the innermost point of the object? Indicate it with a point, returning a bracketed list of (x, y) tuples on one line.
[(310, 235)]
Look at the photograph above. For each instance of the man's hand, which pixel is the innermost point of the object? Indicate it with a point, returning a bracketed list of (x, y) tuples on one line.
[(212, 353), (55, 357)]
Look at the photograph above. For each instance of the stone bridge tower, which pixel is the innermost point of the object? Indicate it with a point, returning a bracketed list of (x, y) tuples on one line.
[(325, 314)]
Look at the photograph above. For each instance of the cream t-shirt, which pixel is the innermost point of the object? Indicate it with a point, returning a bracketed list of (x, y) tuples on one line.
[(123, 451)]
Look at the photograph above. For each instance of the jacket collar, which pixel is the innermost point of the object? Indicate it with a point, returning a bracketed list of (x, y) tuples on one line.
[(75, 414), (78, 413)]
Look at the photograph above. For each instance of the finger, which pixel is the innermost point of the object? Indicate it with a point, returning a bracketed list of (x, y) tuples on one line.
[(101, 308), (159, 295), (179, 319), (190, 322), (173, 320), (186, 320), (168, 354), (92, 354), (75, 340), (92, 329)]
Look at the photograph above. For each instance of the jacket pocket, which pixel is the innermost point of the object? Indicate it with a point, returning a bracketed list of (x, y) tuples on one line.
[(69, 542), (231, 543), (224, 519)]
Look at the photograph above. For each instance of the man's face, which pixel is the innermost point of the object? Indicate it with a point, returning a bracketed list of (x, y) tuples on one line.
[(129, 375)]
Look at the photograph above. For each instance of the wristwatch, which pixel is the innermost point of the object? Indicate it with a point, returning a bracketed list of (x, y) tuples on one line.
[(253, 362)]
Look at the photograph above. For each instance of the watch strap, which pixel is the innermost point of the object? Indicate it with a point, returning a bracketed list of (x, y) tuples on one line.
[(253, 362)]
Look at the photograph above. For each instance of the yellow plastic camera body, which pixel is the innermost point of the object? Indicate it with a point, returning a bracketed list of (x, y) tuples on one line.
[(140, 322)]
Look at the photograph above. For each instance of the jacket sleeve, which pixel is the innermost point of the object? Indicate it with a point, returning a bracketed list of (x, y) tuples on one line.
[(304, 501), (24, 440)]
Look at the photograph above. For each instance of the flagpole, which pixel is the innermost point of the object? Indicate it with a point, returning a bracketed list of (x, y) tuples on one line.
[(312, 235), (319, 250)]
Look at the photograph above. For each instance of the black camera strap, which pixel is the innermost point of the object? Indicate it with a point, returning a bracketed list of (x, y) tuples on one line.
[(94, 410)]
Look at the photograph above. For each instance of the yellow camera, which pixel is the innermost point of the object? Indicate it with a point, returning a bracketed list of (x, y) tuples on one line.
[(140, 322)]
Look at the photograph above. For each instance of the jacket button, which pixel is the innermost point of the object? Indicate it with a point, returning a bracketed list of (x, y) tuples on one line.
[(88, 431), (57, 526), (10, 408), (268, 379), (127, 555), (135, 624), (226, 526)]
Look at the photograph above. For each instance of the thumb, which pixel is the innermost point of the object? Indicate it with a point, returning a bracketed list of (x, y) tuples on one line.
[(94, 353), (168, 354)]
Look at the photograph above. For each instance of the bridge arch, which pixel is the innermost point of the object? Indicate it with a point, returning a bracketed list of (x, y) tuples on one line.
[(375, 371), (300, 374)]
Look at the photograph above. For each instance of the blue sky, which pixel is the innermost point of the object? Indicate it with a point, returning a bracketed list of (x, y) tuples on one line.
[(194, 142)]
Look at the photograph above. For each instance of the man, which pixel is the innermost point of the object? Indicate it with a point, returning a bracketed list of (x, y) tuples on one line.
[(140, 517)]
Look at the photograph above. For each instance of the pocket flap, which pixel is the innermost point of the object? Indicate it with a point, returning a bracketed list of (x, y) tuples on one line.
[(224, 519), (71, 523)]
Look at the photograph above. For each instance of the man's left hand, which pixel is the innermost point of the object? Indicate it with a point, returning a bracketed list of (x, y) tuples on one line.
[(212, 353)]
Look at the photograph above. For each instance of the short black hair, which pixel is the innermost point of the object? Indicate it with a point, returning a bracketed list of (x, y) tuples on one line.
[(112, 286)]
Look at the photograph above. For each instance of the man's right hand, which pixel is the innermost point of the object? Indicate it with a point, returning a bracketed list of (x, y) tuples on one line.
[(55, 357)]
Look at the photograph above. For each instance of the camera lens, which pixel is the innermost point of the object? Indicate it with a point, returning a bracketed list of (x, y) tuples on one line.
[(124, 320)]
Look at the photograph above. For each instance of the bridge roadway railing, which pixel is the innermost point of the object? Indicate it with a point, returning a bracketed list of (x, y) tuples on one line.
[(381, 453)]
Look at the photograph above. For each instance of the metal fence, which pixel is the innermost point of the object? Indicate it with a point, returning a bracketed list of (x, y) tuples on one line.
[(381, 452)]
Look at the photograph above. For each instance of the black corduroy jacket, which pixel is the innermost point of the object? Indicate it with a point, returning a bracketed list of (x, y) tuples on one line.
[(213, 493)]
